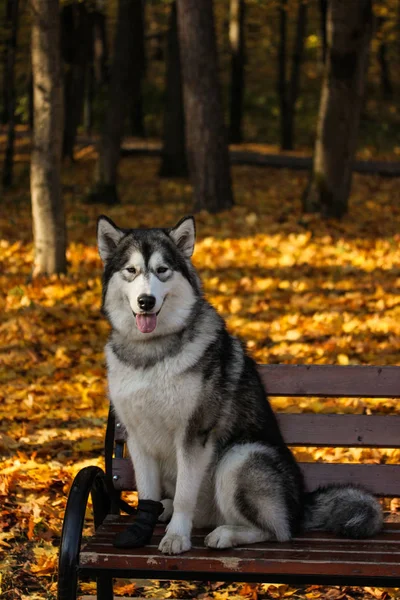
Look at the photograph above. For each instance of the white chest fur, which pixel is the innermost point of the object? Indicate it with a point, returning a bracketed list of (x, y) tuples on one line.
[(154, 404)]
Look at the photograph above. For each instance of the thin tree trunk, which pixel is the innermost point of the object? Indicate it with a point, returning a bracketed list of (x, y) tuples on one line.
[(30, 100), (4, 91), (288, 91), (237, 43), (282, 85), (206, 143), (47, 202), (349, 33), (12, 18), (96, 68), (386, 83), (137, 115), (125, 76), (297, 59), (173, 163), (323, 9), (100, 47), (88, 101), (137, 109), (75, 42)]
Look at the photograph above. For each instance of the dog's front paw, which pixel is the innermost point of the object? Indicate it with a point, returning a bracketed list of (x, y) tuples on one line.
[(174, 544), (168, 510)]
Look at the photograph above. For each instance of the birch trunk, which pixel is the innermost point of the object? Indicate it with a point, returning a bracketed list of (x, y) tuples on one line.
[(47, 202)]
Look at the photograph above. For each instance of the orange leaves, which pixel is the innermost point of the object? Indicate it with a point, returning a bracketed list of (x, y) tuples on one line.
[(46, 558), (295, 288)]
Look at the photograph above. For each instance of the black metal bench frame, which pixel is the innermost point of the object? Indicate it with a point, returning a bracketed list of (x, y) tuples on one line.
[(304, 560)]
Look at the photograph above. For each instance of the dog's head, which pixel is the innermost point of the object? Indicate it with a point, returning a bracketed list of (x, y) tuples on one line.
[(149, 282)]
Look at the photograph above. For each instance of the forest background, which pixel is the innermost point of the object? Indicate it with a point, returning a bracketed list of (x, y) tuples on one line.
[(297, 286)]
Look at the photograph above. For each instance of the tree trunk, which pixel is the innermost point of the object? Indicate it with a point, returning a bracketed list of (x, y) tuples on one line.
[(4, 90), (47, 203), (206, 144), (125, 77), (323, 9), (99, 50), (297, 59), (237, 44), (173, 163), (88, 100), (282, 85), (386, 83), (288, 91), (137, 108), (137, 114), (96, 68), (11, 50), (75, 43), (349, 33), (30, 100)]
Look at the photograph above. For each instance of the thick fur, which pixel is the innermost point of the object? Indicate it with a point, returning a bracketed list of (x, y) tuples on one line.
[(201, 433)]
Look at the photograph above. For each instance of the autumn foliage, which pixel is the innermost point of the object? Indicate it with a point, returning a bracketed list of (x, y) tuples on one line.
[(297, 289)]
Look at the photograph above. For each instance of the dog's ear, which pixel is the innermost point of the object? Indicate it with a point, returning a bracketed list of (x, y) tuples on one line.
[(108, 237), (184, 235)]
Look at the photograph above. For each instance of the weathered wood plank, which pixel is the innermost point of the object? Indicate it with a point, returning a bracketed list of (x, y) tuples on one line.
[(308, 429), (331, 380), (370, 431), (383, 480), (264, 560)]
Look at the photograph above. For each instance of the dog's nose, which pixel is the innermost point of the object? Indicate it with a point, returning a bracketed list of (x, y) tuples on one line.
[(146, 302)]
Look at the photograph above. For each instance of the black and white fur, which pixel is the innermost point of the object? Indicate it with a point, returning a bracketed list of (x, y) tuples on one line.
[(202, 436)]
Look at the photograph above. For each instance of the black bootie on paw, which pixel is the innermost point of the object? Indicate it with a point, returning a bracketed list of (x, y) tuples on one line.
[(139, 533)]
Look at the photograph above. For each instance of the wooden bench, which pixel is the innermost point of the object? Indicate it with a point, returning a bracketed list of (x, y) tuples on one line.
[(313, 557)]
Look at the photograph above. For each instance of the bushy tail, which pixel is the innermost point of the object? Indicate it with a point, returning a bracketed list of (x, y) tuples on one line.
[(347, 510)]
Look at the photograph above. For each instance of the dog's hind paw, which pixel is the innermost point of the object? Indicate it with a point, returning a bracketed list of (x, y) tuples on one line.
[(221, 537), (168, 510), (174, 544)]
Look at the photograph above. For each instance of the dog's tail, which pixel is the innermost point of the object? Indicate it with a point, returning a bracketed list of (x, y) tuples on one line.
[(346, 510)]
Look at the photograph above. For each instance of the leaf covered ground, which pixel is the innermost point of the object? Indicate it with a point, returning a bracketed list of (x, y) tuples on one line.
[(297, 289)]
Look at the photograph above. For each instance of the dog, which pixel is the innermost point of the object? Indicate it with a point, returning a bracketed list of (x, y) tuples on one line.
[(202, 435)]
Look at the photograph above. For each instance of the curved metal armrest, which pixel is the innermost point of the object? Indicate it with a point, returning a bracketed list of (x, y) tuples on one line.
[(88, 480)]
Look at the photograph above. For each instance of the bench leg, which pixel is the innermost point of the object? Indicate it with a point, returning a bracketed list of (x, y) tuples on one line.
[(105, 588), (68, 585)]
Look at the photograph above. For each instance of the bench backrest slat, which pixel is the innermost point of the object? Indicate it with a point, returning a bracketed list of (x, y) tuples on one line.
[(370, 431), (383, 480), (325, 430), (331, 381)]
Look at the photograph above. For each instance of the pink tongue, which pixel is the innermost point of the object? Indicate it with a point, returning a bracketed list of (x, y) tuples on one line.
[(146, 323)]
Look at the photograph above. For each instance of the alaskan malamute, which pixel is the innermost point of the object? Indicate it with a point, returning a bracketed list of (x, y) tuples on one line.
[(202, 435)]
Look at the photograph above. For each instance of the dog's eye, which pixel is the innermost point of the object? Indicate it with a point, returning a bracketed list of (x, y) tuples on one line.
[(162, 270), (131, 270)]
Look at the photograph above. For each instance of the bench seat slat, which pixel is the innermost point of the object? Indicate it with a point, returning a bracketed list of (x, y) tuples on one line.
[(383, 480), (390, 535), (331, 381), (337, 545), (313, 553)]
